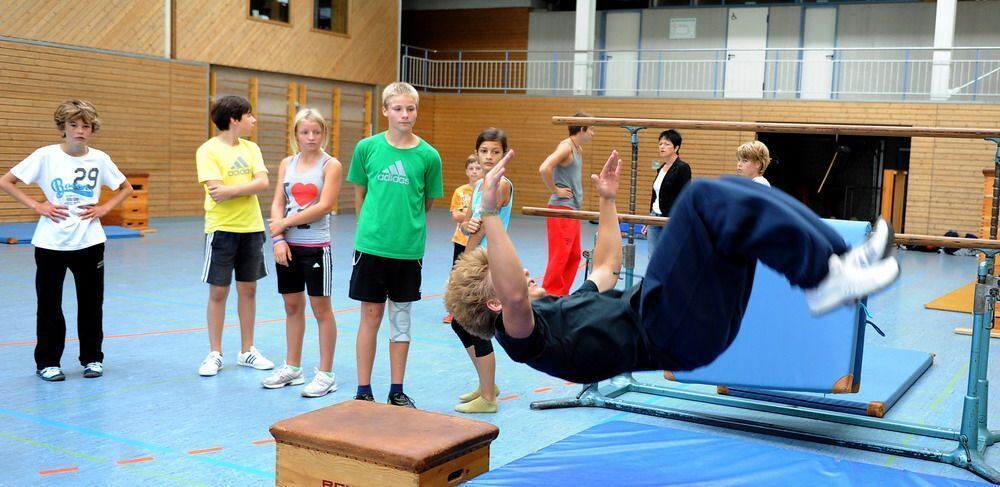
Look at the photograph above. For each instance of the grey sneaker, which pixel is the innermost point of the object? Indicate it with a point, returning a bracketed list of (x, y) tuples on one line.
[(845, 283), (321, 385), (284, 376), (51, 374)]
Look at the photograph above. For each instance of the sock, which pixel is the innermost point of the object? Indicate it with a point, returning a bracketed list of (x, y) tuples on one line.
[(294, 368), (393, 388), (330, 374), (364, 389)]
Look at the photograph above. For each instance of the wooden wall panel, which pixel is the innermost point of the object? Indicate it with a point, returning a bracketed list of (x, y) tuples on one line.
[(153, 116), (273, 116), (944, 177), (120, 25), (467, 29), (220, 32)]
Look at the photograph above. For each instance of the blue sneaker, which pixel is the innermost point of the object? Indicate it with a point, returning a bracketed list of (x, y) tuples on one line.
[(51, 374), (93, 370)]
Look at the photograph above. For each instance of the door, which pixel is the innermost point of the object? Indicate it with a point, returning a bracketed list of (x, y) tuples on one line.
[(746, 41), (621, 41), (819, 31)]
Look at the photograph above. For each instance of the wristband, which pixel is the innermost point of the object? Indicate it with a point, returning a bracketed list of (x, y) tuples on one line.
[(278, 240), (488, 211)]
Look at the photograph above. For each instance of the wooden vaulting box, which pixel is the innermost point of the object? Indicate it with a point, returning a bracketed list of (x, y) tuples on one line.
[(133, 213), (361, 443)]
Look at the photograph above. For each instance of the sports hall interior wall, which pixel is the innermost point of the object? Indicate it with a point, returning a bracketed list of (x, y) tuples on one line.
[(943, 184), (220, 33), (153, 112), (118, 25)]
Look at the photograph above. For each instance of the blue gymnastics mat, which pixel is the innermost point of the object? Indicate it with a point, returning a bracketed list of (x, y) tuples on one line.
[(781, 345), (20, 233), (625, 453), (888, 373)]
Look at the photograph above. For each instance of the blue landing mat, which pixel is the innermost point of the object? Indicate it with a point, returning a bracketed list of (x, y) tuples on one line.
[(20, 233), (624, 453), (887, 374)]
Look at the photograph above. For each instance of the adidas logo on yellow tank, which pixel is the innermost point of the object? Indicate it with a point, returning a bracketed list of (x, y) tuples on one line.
[(394, 174), (239, 167)]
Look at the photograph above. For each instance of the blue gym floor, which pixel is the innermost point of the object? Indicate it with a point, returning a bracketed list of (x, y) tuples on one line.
[(152, 420)]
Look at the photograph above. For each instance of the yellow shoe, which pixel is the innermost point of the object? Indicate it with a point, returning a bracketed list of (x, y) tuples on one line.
[(469, 396), (477, 405)]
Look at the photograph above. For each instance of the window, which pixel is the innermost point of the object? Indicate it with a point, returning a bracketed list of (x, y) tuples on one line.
[(331, 16), (274, 10)]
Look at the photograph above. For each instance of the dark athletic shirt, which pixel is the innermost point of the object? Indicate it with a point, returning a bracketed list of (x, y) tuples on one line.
[(584, 337)]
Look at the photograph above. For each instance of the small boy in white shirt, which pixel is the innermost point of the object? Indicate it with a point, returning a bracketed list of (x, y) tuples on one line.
[(69, 234)]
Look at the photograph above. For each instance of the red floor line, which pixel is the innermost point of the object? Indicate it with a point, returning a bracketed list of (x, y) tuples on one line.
[(58, 470), (197, 328), (543, 389), (263, 442), (135, 460), (507, 398), (204, 450)]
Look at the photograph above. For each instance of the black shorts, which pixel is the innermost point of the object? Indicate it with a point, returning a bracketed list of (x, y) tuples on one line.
[(226, 252), (310, 268), (375, 278)]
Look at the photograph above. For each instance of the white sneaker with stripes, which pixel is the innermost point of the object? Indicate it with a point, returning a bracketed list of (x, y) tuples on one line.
[(254, 359), (211, 365)]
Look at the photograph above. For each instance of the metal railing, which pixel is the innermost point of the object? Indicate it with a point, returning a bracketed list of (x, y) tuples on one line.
[(889, 74)]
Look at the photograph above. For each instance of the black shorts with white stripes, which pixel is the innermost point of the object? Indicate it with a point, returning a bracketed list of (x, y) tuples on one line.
[(311, 268)]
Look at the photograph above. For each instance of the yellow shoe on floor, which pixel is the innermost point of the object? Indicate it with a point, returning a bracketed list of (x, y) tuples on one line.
[(477, 405), (469, 396)]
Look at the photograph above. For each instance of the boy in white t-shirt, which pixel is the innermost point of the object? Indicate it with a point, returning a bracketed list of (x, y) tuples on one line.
[(69, 234)]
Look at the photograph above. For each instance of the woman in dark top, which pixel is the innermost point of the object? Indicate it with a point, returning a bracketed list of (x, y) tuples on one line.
[(671, 178), (689, 306)]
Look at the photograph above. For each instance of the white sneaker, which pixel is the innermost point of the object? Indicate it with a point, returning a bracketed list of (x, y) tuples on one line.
[(284, 376), (254, 359), (876, 247), (321, 385), (211, 365), (847, 283)]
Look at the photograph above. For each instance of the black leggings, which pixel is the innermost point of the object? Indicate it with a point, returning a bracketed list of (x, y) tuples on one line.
[(480, 346)]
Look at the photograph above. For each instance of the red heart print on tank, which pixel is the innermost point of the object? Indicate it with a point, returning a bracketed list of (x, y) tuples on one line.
[(304, 193)]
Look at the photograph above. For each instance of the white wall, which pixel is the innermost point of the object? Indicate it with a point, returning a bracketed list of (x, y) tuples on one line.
[(858, 25)]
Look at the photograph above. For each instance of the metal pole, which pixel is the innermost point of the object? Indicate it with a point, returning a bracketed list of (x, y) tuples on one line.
[(628, 253), (996, 189)]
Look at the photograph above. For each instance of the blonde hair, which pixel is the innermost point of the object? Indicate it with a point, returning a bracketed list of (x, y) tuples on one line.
[(469, 288), (71, 110), (399, 88), (309, 115), (755, 152)]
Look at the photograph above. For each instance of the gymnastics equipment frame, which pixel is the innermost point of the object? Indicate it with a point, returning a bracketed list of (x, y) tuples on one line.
[(973, 436)]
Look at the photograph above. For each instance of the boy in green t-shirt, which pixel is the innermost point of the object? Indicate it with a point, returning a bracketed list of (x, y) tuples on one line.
[(232, 171), (397, 175)]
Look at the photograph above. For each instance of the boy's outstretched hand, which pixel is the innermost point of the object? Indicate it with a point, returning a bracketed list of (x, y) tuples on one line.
[(606, 183), (491, 183)]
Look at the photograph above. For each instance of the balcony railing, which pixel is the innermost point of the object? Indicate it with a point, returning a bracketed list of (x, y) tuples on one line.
[(884, 74)]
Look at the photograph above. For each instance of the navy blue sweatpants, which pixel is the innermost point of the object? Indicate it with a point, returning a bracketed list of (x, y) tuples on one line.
[(699, 279)]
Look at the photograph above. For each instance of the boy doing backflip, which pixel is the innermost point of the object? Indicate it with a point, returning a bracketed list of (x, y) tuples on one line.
[(688, 309)]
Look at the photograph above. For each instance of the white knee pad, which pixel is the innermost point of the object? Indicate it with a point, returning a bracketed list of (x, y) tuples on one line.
[(399, 321)]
